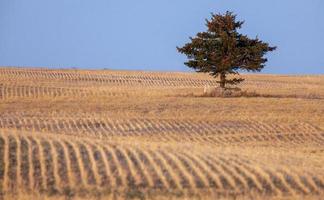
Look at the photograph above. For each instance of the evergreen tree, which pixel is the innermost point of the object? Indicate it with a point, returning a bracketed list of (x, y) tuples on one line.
[(222, 50)]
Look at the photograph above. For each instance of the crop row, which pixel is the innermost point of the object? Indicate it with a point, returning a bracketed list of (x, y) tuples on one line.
[(62, 166), (169, 129), (27, 91), (140, 79)]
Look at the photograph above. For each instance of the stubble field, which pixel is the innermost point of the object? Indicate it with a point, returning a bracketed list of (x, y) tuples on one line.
[(152, 135)]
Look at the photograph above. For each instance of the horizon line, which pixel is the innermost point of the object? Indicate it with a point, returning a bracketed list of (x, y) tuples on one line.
[(148, 70)]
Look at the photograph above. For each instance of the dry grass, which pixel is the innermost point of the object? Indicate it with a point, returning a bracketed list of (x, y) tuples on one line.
[(237, 92), (123, 134)]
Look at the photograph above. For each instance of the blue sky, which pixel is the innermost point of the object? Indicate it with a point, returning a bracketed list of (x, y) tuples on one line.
[(143, 34)]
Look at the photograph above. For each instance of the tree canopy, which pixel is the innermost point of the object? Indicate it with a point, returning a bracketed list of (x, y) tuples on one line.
[(222, 50)]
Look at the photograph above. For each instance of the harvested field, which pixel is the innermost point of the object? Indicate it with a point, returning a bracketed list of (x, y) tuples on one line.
[(106, 134)]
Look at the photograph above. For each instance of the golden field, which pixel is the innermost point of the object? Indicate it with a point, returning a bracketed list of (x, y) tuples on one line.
[(104, 134)]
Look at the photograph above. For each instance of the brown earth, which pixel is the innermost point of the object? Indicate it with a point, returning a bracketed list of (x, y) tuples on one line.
[(106, 134)]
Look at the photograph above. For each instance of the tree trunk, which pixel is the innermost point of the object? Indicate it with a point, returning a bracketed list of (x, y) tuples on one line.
[(222, 80)]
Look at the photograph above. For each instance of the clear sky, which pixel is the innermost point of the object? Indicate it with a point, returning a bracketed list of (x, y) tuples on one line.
[(143, 34)]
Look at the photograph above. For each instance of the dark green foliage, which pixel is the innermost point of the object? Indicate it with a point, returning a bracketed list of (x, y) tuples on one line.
[(222, 50)]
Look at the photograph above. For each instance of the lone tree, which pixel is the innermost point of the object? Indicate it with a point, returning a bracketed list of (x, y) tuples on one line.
[(222, 50)]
